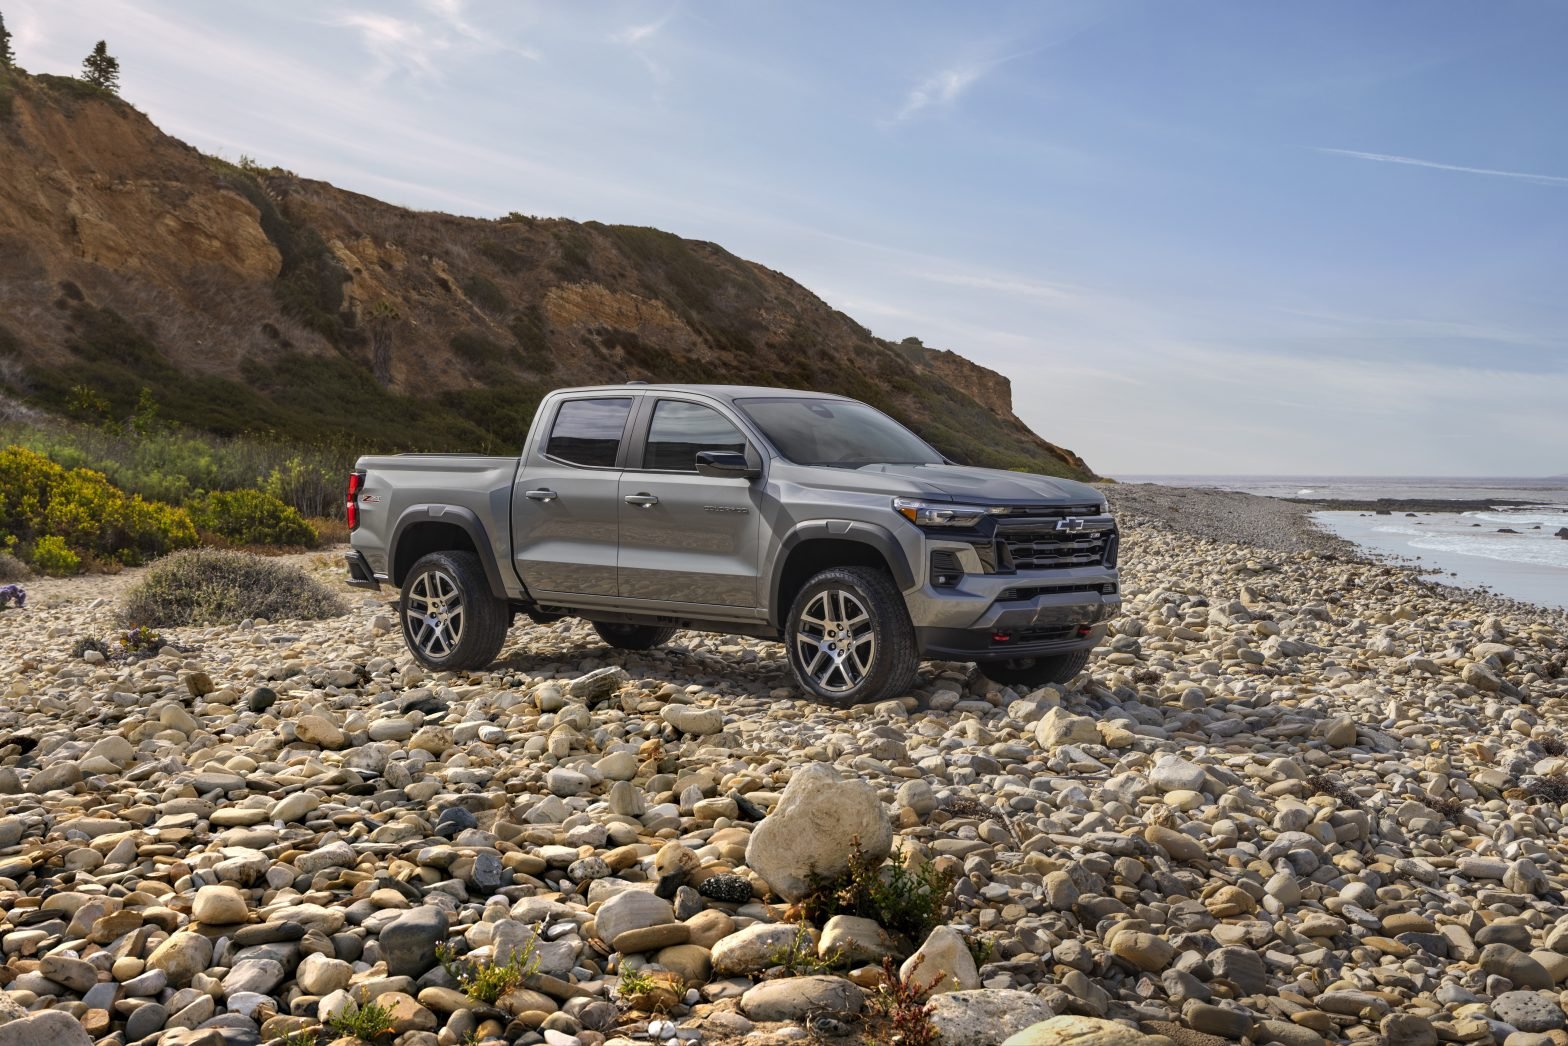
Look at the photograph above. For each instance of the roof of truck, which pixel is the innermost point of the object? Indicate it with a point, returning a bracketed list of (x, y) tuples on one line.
[(723, 392)]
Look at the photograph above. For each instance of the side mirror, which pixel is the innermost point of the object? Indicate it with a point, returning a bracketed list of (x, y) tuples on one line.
[(725, 464)]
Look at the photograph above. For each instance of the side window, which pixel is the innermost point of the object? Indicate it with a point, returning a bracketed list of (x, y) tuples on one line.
[(680, 429), (588, 432)]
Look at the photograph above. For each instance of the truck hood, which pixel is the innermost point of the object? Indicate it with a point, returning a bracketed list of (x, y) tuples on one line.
[(987, 486)]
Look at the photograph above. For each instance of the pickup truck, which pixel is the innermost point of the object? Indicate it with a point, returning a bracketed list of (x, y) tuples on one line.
[(803, 517)]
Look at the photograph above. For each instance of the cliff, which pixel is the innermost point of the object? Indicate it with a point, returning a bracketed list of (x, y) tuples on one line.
[(134, 269)]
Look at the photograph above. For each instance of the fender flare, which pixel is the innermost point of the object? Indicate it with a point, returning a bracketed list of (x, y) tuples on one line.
[(453, 515), (870, 534)]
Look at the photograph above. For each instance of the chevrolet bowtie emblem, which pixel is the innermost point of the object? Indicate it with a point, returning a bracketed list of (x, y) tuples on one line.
[(1073, 525)]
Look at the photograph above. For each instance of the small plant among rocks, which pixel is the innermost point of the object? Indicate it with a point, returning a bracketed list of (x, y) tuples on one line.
[(1553, 745), (486, 981), (369, 1022), (657, 992), (901, 1001), (902, 901), (981, 948), (1322, 784), (302, 1037), (800, 957), (80, 648), (1449, 806), (1553, 788), (141, 639)]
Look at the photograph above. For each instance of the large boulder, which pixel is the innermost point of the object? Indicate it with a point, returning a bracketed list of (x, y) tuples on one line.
[(1077, 1031), (986, 1016), (942, 964), (44, 1028), (810, 834), (409, 942), (791, 998), (1061, 727)]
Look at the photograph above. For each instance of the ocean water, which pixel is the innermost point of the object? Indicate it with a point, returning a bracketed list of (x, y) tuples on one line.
[(1461, 548)]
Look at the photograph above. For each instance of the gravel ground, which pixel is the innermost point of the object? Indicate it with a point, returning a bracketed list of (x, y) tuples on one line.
[(1222, 515), (1297, 798)]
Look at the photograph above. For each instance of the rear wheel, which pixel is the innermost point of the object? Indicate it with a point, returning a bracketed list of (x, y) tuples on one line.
[(1036, 671), (451, 621), (633, 637), (849, 636)]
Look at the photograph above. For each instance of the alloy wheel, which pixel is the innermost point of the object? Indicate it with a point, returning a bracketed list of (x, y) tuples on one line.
[(434, 613), (835, 640)]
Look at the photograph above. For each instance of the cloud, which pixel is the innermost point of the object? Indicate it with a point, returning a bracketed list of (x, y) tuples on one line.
[(1014, 288), (634, 35), (1410, 161), (947, 86), (394, 43)]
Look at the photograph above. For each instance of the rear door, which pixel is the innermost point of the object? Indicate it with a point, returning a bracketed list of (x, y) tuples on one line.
[(687, 538), (565, 504)]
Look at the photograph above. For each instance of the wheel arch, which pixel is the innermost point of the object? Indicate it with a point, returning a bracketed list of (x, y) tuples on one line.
[(819, 545), (424, 529)]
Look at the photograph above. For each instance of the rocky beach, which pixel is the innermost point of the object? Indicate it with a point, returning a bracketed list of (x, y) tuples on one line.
[(1298, 798)]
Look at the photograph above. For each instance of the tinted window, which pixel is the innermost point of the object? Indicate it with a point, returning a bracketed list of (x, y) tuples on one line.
[(588, 432), (843, 433), (681, 429)]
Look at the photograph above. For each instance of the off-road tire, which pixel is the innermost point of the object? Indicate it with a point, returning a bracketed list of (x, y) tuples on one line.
[(484, 618), (884, 667), (1036, 671), (633, 637)]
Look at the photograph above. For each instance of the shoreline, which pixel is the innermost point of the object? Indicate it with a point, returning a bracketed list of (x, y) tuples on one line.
[(1391, 505), (1286, 525)]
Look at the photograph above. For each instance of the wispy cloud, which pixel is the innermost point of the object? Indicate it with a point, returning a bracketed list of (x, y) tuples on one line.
[(1003, 285), (638, 37), (947, 86), (395, 43), (633, 35), (1411, 161)]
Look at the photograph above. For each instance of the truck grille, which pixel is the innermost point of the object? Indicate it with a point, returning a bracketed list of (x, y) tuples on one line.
[(1046, 548)]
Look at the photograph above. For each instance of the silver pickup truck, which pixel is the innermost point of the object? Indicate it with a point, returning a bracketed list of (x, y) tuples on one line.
[(807, 518)]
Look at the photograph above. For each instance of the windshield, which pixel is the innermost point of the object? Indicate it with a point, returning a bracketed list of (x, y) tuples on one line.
[(839, 433)]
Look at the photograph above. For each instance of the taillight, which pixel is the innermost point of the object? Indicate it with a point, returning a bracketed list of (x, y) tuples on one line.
[(356, 480)]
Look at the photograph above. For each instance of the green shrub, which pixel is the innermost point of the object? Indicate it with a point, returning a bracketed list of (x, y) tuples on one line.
[(904, 901), (66, 516), (483, 292), (487, 981), (216, 587), (369, 1022), (51, 556), (250, 517)]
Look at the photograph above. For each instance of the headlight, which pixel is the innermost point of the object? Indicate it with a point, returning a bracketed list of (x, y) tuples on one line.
[(941, 513)]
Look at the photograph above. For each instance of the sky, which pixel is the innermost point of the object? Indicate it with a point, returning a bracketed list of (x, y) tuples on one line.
[(1227, 237)]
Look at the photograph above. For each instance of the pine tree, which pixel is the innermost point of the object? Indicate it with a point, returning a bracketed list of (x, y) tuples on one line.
[(7, 56), (102, 69)]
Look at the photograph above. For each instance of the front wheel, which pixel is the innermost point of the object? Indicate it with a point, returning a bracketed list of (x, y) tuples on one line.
[(451, 620), (1036, 671), (849, 637), (633, 637)]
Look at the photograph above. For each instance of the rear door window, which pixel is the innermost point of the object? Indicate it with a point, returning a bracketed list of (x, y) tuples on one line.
[(680, 429), (588, 432)]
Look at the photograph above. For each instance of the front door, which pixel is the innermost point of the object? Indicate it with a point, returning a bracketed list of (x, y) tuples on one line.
[(566, 504), (687, 538)]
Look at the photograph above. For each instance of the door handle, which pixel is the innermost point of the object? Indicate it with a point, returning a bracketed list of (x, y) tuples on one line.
[(642, 500), (545, 494)]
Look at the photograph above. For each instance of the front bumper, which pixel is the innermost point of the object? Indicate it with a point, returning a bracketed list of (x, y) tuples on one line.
[(989, 617)]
